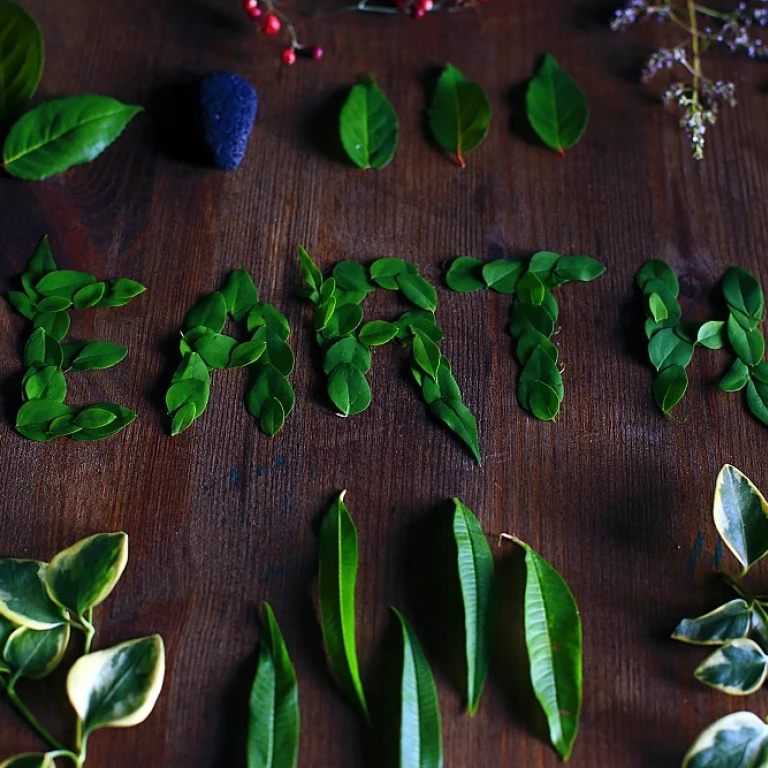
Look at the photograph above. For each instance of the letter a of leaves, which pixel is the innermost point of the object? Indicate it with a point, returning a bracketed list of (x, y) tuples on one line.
[(337, 579), (368, 126), (557, 108), (459, 114), (273, 731)]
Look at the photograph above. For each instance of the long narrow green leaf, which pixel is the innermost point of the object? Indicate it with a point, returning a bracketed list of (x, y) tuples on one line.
[(273, 730), (478, 592), (337, 579), (553, 637), (421, 743)]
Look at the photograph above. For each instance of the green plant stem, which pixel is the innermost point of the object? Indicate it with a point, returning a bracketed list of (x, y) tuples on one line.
[(64, 753), (694, 24), (29, 717)]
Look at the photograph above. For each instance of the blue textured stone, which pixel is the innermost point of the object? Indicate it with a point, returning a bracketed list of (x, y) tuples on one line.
[(228, 104)]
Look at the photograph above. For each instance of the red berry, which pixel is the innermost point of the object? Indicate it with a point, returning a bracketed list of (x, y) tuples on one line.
[(249, 5), (316, 52), (427, 5), (289, 56), (271, 25), (254, 13)]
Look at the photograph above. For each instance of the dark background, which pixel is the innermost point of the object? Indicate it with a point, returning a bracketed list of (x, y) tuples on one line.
[(221, 518)]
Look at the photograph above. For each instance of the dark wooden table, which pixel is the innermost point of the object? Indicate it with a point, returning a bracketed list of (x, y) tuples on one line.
[(221, 518)]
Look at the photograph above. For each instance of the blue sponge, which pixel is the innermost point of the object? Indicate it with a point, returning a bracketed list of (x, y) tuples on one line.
[(228, 104)]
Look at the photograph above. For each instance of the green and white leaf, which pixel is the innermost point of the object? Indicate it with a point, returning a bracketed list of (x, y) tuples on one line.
[(35, 653), (24, 599), (739, 740), (738, 668), (728, 622)]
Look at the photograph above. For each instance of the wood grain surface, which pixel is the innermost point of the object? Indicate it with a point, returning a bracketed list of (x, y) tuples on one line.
[(221, 518)]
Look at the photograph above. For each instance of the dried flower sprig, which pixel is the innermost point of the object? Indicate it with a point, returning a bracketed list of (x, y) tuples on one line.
[(273, 18), (698, 98)]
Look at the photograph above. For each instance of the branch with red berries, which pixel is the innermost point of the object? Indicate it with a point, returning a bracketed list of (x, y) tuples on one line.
[(273, 20)]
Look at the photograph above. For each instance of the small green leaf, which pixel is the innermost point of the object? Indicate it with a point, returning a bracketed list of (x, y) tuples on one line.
[(749, 345), (94, 418), (539, 368), (581, 269), (444, 388), (657, 308), (349, 389), (757, 399), (64, 283), (543, 401), (426, 354), (324, 314), (742, 293), (35, 654), (84, 575), (465, 275), (183, 418), (344, 322), (353, 277), (368, 126), (417, 319), (273, 728), (216, 349), (524, 316), (738, 668), (117, 687), (656, 269), (557, 108), (268, 383), (309, 272), (736, 378), (22, 304), (418, 291), (553, 636), (529, 341), (35, 416), (348, 350), (45, 384), (669, 387), (42, 349), (711, 334), (272, 417), (384, 272), (102, 420), (478, 591), (246, 353), (191, 385), (21, 58), (502, 275), (23, 596), (728, 622), (376, 333), (121, 291), (240, 294), (42, 261), (738, 740), (55, 324), (89, 295), (530, 289), (210, 312), (421, 741), (459, 114), (741, 516), (337, 579), (53, 304), (460, 420), (58, 134), (91, 355), (666, 348)]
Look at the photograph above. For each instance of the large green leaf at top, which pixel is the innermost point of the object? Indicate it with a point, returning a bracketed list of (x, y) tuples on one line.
[(82, 576), (273, 730), (53, 137), (478, 592), (739, 740), (29, 760), (337, 580), (117, 687), (741, 516), (368, 126), (459, 114), (33, 653), (421, 742), (557, 108), (23, 597), (553, 636), (21, 58)]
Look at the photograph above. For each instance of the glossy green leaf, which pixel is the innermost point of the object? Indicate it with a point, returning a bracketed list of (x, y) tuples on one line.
[(656, 269), (83, 576), (216, 349), (478, 591), (666, 348), (421, 741), (530, 341), (553, 636), (444, 388), (42, 349), (42, 260), (738, 740), (29, 760), (426, 354), (240, 294), (35, 654), (35, 417), (94, 418), (61, 133), (89, 295), (738, 668), (183, 419), (21, 58), (347, 350), (669, 387), (349, 389), (273, 728), (272, 417), (337, 579), (22, 304), (344, 322), (465, 275), (23, 596), (384, 272), (368, 126), (711, 334), (210, 312), (502, 275), (190, 388), (53, 304), (581, 269), (742, 293), (91, 355), (120, 292), (45, 384), (418, 291), (268, 383), (459, 114), (278, 353), (525, 316), (557, 108), (741, 516), (117, 687), (657, 307), (246, 353), (460, 420), (100, 426), (376, 333), (757, 399), (728, 622), (55, 324), (324, 314), (530, 289), (540, 367), (311, 275), (543, 401), (748, 344), (417, 319), (736, 378), (667, 297), (351, 276)]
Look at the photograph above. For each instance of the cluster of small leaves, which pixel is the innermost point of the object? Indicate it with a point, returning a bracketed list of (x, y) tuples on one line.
[(739, 630), (47, 297), (552, 630), (346, 342), (59, 134), (204, 348), (40, 603), (532, 317)]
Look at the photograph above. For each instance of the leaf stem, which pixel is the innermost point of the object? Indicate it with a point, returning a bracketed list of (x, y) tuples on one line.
[(28, 716), (694, 24)]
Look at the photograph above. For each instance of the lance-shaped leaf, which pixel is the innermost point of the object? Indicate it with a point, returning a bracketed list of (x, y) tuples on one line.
[(460, 420), (35, 654), (739, 740), (421, 742), (84, 575), (23, 596), (337, 579), (553, 637), (478, 592), (368, 126), (117, 687), (61, 133), (738, 668), (741, 516), (29, 760), (557, 108), (273, 729), (728, 622), (21, 58), (459, 114)]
